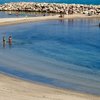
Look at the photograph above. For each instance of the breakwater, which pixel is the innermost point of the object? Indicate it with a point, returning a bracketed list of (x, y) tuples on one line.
[(51, 8)]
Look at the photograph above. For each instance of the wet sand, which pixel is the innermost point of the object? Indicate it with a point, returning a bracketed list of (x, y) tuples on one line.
[(16, 89), (10, 21)]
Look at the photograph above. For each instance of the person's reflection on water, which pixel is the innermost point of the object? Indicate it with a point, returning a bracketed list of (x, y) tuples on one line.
[(99, 25), (70, 22), (62, 21)]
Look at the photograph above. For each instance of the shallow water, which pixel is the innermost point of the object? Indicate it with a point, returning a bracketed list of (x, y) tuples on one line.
[(16, 14), (62, 53)]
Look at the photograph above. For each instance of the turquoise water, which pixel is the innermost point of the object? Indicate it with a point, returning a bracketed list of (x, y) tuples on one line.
[(57, 1), (62, 53)]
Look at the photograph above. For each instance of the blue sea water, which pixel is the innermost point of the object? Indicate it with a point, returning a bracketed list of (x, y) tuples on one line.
[(57, 1), (62, 53)]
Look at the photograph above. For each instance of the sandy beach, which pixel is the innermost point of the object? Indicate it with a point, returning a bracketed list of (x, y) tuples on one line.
[(9, 21), (16, 89)]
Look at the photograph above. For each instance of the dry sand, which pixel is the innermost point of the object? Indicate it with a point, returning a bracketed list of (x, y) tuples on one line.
[(16, 89), (9, 21)]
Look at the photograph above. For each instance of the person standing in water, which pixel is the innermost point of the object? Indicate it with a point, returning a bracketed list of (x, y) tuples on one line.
[(4, 41), (10, 40)]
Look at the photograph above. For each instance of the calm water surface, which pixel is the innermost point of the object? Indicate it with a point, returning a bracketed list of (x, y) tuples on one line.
[(62, 53), (15, 14)]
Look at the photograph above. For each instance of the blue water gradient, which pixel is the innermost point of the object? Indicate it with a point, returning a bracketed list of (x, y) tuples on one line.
[(63, 53), (56, 1)]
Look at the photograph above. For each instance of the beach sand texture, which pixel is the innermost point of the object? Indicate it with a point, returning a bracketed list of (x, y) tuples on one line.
[(16, 89), (9, 21)]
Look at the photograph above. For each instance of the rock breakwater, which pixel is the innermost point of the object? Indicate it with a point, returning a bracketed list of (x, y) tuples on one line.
[(52, 8)]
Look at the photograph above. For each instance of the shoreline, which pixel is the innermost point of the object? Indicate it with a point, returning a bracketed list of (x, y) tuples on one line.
[(17, 89), (12, 21)]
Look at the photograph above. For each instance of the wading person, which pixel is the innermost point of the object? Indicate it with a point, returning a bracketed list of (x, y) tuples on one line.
[(4, 41), (10, 40)]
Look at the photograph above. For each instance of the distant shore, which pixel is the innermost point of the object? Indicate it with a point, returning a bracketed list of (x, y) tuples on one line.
[(16, 89), (10, 21), (66, 11)]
